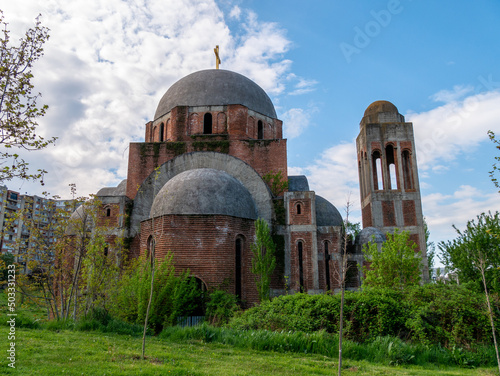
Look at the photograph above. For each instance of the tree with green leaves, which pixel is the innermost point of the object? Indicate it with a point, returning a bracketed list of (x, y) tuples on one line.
[(264, 260), (475, 256), (19, 110), (396, 265), (6, 259), (478, 240)]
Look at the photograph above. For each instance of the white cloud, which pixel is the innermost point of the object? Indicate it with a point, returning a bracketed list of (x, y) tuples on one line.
[(443, 211), (335, 177), (458, 126), (295, 122), (235, 13), (457, 93), (300, 85), (108, 63)]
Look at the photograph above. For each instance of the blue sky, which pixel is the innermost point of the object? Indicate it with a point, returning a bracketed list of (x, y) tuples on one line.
[(322, 62)]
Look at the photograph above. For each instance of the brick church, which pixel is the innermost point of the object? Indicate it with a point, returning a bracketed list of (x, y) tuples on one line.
[(195, 188)]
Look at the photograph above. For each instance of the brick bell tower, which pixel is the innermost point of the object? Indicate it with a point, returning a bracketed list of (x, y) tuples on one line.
[(388, 174)]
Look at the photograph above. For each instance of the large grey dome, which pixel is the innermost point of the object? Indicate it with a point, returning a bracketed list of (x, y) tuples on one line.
[(326, 213), (204, 191), (215, 87)]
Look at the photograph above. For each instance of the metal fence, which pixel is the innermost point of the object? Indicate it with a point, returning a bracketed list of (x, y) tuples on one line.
[(190, 320)]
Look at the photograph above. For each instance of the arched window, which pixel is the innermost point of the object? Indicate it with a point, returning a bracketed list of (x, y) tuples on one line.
[(365, 173), (162, 130), (108, 212), (301, 265), (169, 131), (237, 279), (407, 173), (327, 267), (377, 170), (207, 123), (391, 167), (106, 251), (299, 209), (260, 130)]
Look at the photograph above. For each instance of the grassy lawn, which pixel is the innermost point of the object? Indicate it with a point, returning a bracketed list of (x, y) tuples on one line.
[(44, 352)]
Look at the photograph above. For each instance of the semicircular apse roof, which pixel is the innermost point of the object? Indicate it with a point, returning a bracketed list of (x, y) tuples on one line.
[(204, 191)]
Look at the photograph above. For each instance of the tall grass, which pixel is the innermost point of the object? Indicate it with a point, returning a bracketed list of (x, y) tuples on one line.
[(387, 350)]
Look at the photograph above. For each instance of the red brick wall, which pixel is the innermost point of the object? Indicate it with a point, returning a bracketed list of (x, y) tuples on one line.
[(305, 209), (405, 145), (388, 213), (366, 214), (206, 246), (409, 213), (264, 156), (114, 218)]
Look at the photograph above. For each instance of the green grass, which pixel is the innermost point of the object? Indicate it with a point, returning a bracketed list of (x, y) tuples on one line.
[(45, 352)]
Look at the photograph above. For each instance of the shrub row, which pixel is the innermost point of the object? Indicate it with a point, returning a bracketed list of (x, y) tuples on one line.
[(448, 315)]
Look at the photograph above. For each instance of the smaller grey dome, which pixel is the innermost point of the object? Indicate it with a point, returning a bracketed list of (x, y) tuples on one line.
[(119, 190), (381, 112), (380, 106), (204, 191), (326, 213), (369, 234), (79, 220), (298, 183)]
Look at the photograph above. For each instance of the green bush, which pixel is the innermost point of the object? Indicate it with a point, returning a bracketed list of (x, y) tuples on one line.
[(173, 296), (221, 307), (447, 314)]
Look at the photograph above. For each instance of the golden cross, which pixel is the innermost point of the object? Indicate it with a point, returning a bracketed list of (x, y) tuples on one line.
[(217, 58)]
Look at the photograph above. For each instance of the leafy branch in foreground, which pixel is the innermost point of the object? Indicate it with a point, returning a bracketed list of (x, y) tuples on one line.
[(18, 103)]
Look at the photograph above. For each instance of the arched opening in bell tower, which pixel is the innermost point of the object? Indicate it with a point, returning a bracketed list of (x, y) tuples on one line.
[(391, 167), (407, 174), (377, 170)]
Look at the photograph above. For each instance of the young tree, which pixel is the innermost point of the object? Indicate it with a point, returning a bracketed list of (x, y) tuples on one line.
[(38, 224), (350, 231), (18, 107), (396, 265), (431, 250), (264, 260), (478, 239)]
